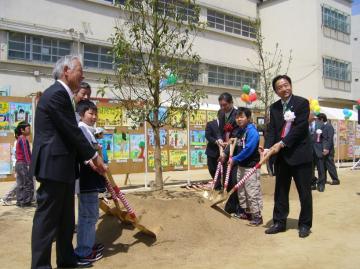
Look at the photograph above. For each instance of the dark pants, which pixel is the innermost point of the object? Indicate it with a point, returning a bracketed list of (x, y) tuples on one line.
[(319, 164), (329, 164), (232, 206), (212, 164), (54, 218), (25, 184), (302, 177)]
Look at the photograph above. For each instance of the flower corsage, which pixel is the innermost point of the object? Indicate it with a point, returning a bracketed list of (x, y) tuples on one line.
[(228, 128), (318, 134), (289, 117)]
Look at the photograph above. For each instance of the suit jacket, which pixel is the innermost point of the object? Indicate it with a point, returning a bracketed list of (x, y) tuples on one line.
[(212, 133), (298, 144), (58, 141), (328, 141), (230, 120), (317, 144)]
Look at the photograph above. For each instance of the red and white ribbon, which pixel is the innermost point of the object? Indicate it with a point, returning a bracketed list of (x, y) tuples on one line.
[(227, 177), (286, 129), (219, 170), (318, 134), (246, 176)]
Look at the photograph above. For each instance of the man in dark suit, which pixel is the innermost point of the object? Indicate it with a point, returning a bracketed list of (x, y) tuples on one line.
[(328, 149), (294, 156), (212, 148), (315, 128), (58, 143), (227, 120)]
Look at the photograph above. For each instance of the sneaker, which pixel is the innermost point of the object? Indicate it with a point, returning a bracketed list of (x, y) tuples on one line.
[(93, 257), (256, 221), (244, 216), (98, 247), (5, 202)]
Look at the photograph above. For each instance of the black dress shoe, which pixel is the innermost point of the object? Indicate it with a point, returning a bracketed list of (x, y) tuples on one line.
[(276, 228), (335, 182), (78, 264), (304, 232), (313, 187), (321, 188)]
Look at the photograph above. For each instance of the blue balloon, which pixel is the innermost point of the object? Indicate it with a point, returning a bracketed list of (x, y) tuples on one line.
[(163, 83)]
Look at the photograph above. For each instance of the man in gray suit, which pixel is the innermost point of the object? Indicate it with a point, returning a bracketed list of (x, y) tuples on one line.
[(316, 133), (328, 149)]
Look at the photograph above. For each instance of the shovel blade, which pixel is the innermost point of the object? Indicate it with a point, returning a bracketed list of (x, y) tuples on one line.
[(220, 203)]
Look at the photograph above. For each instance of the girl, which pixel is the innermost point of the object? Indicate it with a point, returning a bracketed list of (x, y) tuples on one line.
[(25, 184)]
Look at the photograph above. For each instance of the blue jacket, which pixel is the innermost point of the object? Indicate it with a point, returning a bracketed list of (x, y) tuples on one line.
[(247, 154)]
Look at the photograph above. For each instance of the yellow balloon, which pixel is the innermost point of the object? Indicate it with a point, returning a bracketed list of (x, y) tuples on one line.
[(317, 108)]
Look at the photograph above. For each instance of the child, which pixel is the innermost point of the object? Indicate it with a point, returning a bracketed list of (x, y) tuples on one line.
[(246, 157), (11, 193), (24, 182), (91, 183)]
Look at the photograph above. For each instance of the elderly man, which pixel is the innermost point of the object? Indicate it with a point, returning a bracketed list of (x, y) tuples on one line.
[(288, 134), (58, 143)]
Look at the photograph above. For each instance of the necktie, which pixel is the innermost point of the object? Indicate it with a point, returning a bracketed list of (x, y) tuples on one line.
[(284, 107), (73, 104)]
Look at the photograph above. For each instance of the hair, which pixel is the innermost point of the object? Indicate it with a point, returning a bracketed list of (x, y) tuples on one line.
[(85, 105), (227, 97), (278, 78), (68, 61), (85, 85), (243, 110), (21, 126), (322, 116)]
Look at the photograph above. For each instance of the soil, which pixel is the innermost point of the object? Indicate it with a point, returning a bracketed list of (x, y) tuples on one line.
[(190, 234)]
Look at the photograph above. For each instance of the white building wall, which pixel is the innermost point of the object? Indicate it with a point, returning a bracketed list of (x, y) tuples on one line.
[(93, 21), (355, 46), (296, 25)]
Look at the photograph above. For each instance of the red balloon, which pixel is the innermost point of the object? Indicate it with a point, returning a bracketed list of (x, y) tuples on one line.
[(252, 97), (358, 101)]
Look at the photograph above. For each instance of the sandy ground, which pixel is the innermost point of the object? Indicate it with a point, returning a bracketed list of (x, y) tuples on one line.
[(193, 235)]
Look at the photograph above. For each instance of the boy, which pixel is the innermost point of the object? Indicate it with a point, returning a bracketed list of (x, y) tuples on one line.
[(247, 156), (91, 183)]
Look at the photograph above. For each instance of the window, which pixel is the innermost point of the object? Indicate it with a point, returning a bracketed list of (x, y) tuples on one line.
[(97, 57), (230, 24), (336, 19), (121, 2), (37, 48), (182, 11), (230, 77), (336, 69)]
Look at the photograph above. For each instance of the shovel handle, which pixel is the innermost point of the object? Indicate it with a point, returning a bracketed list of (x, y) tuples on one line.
[(232, 143), (253, 170)]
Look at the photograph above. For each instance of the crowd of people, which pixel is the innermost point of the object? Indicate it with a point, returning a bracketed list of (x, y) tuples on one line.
[(65, 161)]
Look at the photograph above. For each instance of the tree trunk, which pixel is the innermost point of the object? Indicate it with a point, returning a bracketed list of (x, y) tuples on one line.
[(157, 160)]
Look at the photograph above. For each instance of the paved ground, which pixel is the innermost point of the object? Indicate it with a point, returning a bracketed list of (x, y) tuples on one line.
[(192, 235)]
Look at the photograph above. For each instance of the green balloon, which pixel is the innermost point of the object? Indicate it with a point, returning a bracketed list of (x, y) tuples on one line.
[(172, 79), (246, 89)]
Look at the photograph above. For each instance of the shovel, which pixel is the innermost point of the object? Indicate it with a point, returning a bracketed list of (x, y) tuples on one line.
[(232, 143), (219, 205), (129, 215), (219, 171)]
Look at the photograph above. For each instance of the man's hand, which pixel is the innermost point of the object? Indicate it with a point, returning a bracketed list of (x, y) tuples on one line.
[(220, 143), (277, 147), (98, 165), (325, 152), (221, 158), (230, 162)]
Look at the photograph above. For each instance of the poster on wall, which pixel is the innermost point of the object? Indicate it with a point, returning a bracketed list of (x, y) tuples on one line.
[(342, 132), (211, 115), (107, 144), (126, 120), (178, 158), (121, 146), (20, 112), (198, 157), (164, 158), (357, 130), (178, 119), (335, 125), (198, 117), (109, 116), (177, 138), (4, 116), (151, 137), (137, 147), (161, 115), (197, 138), (5, 159)]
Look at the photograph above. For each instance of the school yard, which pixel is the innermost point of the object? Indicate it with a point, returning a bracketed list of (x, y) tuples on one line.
[(193, 235)]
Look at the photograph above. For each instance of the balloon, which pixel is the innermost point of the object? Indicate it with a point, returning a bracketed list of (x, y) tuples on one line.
[(315, 102), (171, 79), (163, 83), (252, 91), (358, 101), (316, 108), (358, 106), (345, 111), (252, 97), (350, 113), (244, 97), (167, 72), (246, 89)]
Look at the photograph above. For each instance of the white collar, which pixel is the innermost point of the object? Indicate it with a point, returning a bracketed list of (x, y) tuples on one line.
[(71, 95)]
